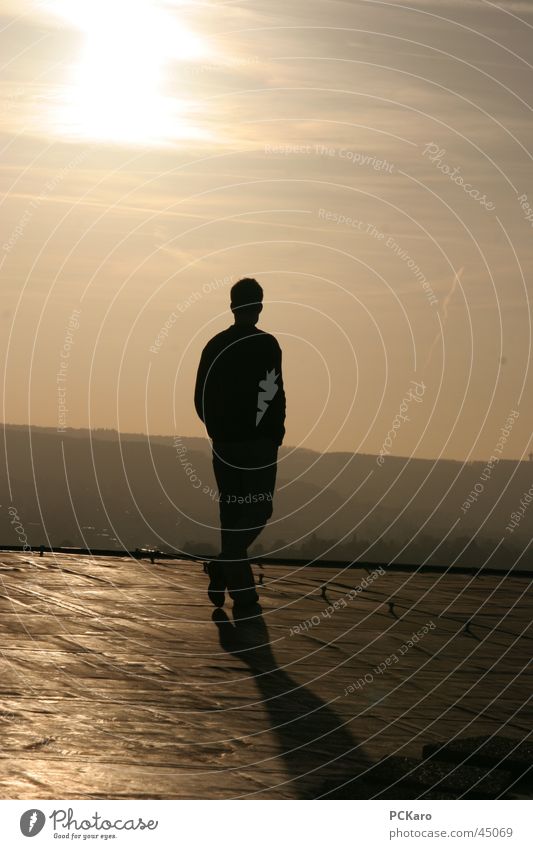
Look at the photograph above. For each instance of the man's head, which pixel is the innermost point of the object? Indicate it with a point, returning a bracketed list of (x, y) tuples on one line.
[(246, 301)]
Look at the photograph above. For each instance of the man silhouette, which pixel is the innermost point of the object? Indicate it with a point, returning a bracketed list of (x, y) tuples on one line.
[(240, 398)]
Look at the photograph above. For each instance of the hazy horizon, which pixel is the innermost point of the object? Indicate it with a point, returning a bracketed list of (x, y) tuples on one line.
[(286, 445), (92, 491)]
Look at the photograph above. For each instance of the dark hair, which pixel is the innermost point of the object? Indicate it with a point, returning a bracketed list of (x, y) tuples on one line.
[(246, 294)]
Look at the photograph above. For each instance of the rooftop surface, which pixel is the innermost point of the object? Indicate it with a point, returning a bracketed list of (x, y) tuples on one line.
[(117, 683)]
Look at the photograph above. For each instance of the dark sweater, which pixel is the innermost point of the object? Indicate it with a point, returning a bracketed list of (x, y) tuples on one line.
[(239, 386)]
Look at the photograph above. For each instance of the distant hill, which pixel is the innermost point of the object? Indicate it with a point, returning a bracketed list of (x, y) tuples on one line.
[(103, 489)]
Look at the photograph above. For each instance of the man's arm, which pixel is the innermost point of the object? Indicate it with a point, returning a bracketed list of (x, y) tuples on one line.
[(199, 389)]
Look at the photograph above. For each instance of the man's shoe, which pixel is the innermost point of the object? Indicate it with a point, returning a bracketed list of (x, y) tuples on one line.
[(217, 583)]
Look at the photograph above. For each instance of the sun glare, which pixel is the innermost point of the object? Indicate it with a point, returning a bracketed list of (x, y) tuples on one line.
[(118, 84)]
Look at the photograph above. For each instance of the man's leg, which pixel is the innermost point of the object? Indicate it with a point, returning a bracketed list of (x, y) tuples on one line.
[(228, 476), (228, 461)]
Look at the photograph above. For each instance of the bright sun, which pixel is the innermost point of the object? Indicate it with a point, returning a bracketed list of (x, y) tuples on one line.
[(118, 84)]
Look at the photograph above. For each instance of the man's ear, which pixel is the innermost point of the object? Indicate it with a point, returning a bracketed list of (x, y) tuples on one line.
[(260, 307)]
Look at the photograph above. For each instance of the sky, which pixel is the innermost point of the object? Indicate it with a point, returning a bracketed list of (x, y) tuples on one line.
[(370, 163)]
